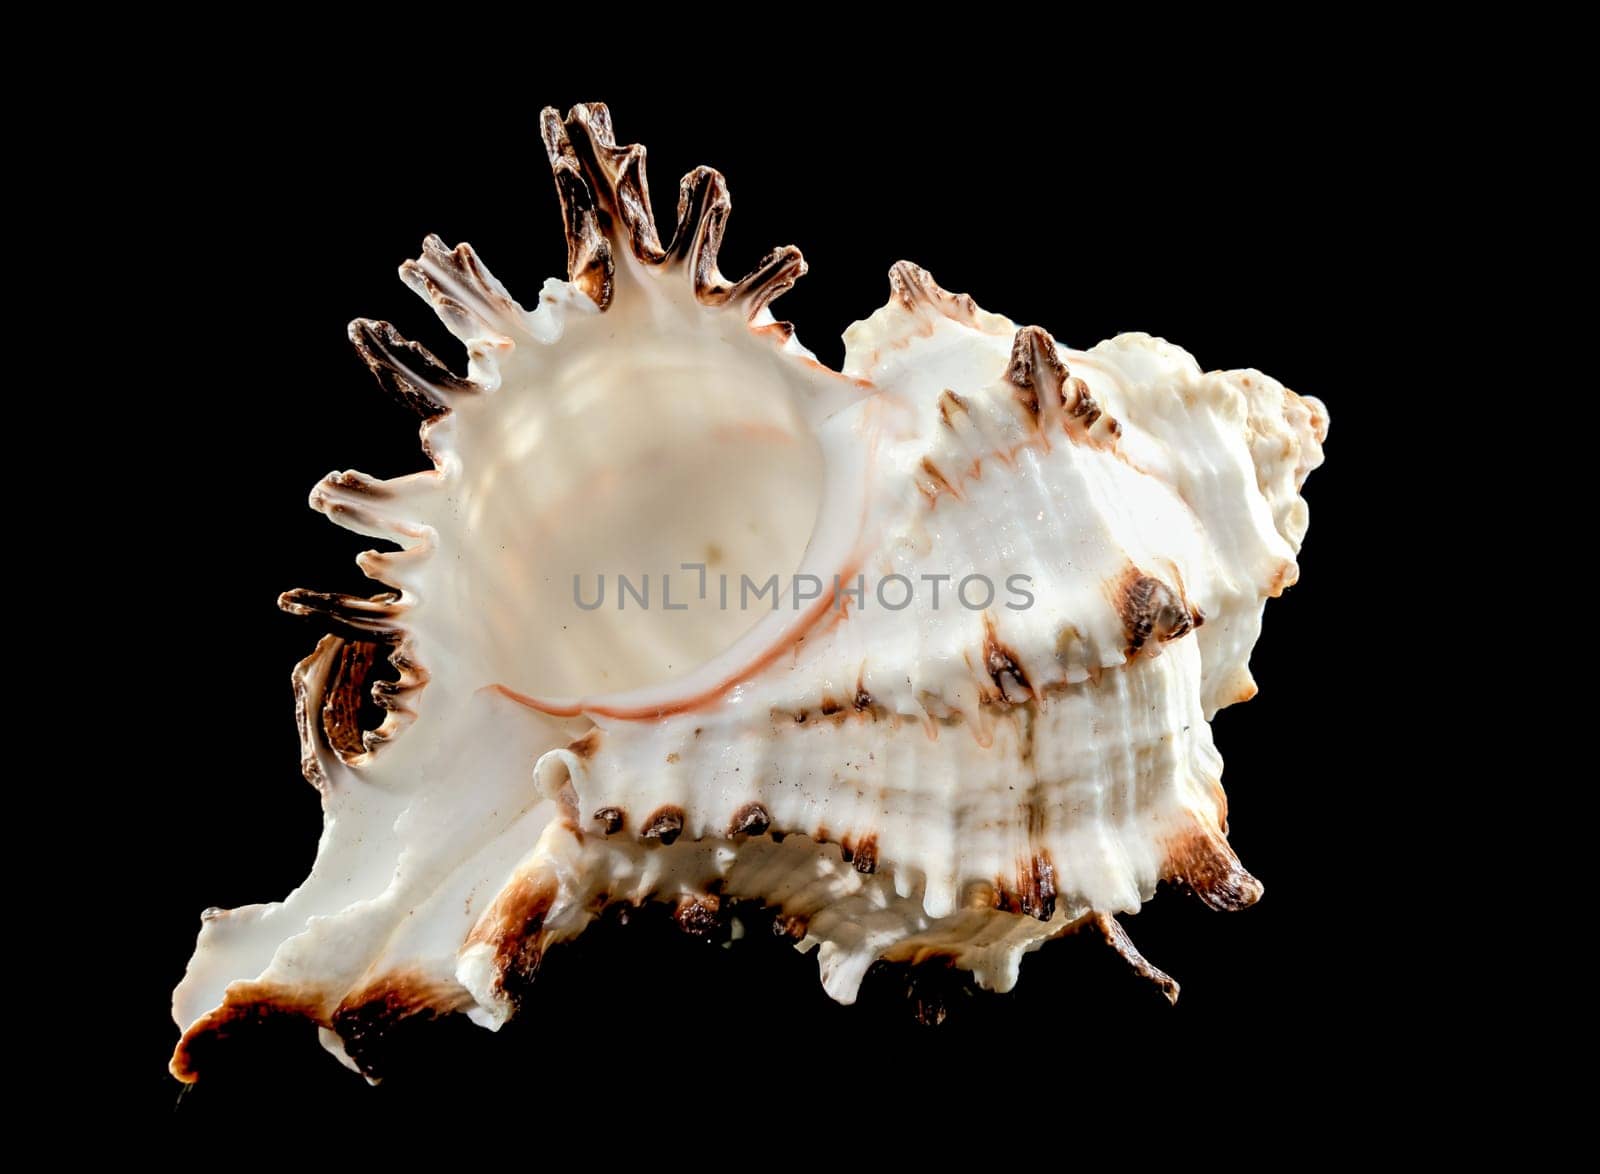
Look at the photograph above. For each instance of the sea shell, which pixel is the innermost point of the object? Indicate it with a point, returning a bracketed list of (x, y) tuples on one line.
[(1086, 540)]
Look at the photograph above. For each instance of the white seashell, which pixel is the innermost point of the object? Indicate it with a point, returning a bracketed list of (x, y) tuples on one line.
[(959, 781)]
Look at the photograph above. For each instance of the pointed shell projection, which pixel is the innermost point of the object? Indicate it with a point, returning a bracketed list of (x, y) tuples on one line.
[(928, 670)]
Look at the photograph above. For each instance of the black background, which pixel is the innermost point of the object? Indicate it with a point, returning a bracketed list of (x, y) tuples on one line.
[(1241, 219)]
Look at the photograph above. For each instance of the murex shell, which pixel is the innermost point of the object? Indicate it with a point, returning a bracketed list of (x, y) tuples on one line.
[(951, 783)]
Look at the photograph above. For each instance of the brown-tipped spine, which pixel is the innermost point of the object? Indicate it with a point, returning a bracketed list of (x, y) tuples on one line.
[(915, 289), (406, 370), (590, 265), (1150, 610), (1036, 371), (605, 200), (1202, 862), (365, 617), (750, 820), (616, 176), (771, 279), (462, 291), (703, 207), (1118, 939), (665, 825), (1036, 889)]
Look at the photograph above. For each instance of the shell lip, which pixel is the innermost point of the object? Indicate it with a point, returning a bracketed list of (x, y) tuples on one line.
[(703, 686)]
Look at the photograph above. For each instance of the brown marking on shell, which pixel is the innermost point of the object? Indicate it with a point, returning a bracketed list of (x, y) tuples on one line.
[(1027, 395), (1035, 370), (703, 207), (1000, 663), (245, 1007), (791, 925), (359, 483), (1080, 403), (1036, 887), (347, 514), (1045, 392), (616, 175), (397, 695), (1024, 718), (933, 483), (750, 820), (1201, 861), (915, 289), (365, 1017), (950, 405), (514, 926), (605, 193), (862, 705), (1118, 939), (1033, 892), (407, 370), (1150, 610), (701, 915), (586, 746), (865, 855), (341, 704), (611, 819), (358, 616), (463, 270), (939, 711), (773, 277), (665, 825), (1086, 422), (590, 265)]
